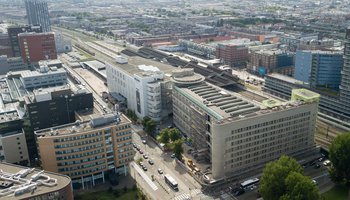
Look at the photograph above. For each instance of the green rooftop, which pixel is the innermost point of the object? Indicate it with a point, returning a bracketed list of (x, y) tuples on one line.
[(305, 95)]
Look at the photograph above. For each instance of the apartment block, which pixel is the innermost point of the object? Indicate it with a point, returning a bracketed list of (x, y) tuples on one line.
[(233, 55), (37, 46), (239, 135), (88, 150), (267, 61)]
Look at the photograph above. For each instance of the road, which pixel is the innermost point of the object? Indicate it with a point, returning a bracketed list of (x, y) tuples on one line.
[(188, 187)]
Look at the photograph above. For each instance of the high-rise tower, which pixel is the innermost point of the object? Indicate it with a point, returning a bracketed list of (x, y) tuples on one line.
[(38, 14), (345, 81)]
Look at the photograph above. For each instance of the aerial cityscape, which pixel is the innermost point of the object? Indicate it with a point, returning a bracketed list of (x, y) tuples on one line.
[(175, 100)]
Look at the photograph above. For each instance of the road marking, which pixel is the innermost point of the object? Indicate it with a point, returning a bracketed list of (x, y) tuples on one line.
[(184, 196), (144, 176)]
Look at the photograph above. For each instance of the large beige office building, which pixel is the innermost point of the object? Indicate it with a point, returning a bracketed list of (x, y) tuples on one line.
[(89, 149), (239, 135)]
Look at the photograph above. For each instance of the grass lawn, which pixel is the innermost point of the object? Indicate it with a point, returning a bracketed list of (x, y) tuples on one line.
[(338, 192), (105, 195)]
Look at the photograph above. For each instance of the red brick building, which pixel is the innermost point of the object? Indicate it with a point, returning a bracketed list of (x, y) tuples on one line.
[(37, 46), (233, 55)]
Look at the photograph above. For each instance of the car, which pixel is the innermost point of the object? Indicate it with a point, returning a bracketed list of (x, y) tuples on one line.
[(134, 145), (144, 168), (172, 155), (141, 164), (145, 156), (317, 166), (314, 181), (150, 162), (160, 171), (144, 141), (312, 163), (326, 162), (321, 159), (238, 192)]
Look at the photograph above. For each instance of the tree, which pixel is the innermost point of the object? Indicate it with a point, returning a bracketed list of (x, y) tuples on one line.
[(151, 126), (164, 136), (177, 148), (174, 134), (339, 155), (300, 187), (145, 120), (272, 184)]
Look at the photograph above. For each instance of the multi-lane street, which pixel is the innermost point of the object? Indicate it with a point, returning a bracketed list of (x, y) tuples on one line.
[(188, 187)]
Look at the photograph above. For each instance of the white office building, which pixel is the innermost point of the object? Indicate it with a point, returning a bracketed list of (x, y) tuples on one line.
[(144, 83), (240, 135)]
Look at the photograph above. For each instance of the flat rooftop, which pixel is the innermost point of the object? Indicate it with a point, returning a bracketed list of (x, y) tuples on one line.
[(219, 102), (89, 120), (56, 181), (287, 79), (134, 63), (9, 116), (230, 106)]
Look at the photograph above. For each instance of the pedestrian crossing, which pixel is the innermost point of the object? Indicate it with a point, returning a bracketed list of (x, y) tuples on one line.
[(183, 196), (195, 192)]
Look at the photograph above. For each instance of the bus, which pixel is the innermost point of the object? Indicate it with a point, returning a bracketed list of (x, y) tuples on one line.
[(171, 182), (249, 182)]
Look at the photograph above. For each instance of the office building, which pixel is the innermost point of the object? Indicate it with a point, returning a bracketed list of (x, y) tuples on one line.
[(60, 103), (267, 61), (239, 135), (89, 150), (63, 45), (42, 77), (232, 55), (331, 110), (11, 64), (321, 69), (13, 145), (38, 14), (5, 45), (21, 183), (13, 32), (144, 83), (37, 46), (344, 88)]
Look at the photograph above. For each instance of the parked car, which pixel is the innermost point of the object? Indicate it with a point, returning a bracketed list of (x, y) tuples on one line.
[(317, 166), (144, 168), (144, 141), (314, 181), (145, 156), (326, 162), (134, 145), (312, 163), (321, 159), (160, 171), (172, 155), (238, 192), (141, 152), (150, 162)]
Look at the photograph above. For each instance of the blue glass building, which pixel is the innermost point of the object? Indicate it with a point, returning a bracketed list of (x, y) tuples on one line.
[(319, 68)]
